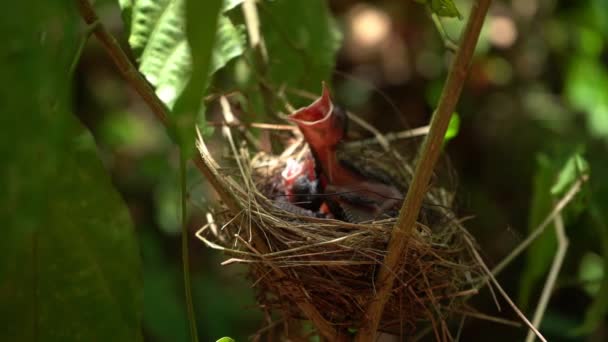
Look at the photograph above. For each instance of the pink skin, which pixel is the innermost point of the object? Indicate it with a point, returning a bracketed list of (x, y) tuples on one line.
[(324, 131), (293, 170)]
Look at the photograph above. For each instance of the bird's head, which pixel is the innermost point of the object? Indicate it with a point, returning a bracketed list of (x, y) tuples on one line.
[(322, 124)]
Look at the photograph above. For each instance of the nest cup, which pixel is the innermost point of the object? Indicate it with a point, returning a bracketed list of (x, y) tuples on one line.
[(331, 264)]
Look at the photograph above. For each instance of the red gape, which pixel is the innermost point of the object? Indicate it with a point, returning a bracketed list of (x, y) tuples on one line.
[(360, 196)]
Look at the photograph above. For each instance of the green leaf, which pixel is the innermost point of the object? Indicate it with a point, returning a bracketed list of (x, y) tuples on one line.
[(540, 252), (586, 89), (575, 166), (453, 128), (158, 39), (302, 40), (226, 339), (230, 4), (443, 8), (164, 312), (201, 21), (591, 272), (70, 267)]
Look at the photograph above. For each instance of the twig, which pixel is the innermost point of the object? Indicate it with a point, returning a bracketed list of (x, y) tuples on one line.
[(576, 187), (410, 133), (502, 291), (185, 250), (143, 88), (448, 43), (424, 170), (256, 42), (562, 246), (83, 42)]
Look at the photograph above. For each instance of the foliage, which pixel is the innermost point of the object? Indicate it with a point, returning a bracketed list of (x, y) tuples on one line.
[(444, 8), (70, 267), (533, 118), (159, 41)]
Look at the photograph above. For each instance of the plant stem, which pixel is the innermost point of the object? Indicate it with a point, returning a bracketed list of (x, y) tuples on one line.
[(256, 41), (431, 149), (558, 260), (143, 88), (185, 249)]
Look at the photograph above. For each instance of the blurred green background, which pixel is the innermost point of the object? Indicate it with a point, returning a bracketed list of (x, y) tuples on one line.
[(533, 113)]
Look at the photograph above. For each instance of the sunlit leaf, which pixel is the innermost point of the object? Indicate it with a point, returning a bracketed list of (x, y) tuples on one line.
[(453, 128), (158, 38), (70, 267), (586, 87), (226, 339), (230, 4)]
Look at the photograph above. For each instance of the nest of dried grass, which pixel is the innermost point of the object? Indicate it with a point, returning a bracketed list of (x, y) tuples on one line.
[(331, 264)]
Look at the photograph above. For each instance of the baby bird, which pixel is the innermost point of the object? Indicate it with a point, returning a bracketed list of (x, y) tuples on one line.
[(358, 189)]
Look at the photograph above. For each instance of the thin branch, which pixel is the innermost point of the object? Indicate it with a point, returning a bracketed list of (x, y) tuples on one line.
[(203, 163), (256, 41), (502, 291), (424, 170), (186, 251), (83, 42), (448, 43), (558, 260), (576, 187)]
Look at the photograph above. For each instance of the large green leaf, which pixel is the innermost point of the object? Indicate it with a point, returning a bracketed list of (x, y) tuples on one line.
[(70, 268), (302, 39), (159, 41)]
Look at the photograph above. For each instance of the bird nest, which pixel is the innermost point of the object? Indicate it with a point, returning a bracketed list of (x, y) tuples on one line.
[(298, 262)]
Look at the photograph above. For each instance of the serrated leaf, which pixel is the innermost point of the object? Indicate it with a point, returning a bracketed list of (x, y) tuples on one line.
[(158, 39), (70, 267)]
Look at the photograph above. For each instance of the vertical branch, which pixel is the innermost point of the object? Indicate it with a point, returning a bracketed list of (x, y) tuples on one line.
[(185, 249), (431, 149), (256, 41), (558, 260)]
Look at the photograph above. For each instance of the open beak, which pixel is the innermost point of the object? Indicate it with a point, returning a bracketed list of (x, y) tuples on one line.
[(320, 125), (315, 115)]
